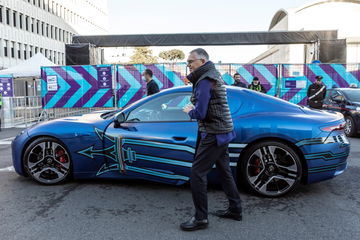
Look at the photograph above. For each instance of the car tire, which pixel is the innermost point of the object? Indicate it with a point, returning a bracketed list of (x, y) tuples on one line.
[(270, 169), (350, 128), (47, 161)]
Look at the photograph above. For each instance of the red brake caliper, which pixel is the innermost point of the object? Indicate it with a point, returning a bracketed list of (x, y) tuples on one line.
[(257, 163), (63, 158)]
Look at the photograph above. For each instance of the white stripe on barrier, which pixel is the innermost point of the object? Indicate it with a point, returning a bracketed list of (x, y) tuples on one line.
[(6, 141), (7, 169)]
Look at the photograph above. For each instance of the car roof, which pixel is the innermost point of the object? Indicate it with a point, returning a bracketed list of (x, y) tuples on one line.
[(188, 88), (344, 89)]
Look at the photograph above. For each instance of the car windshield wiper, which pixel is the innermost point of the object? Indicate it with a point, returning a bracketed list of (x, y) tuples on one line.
[(109, 114)]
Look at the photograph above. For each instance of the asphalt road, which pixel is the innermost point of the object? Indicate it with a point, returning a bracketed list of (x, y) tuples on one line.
[(145, 210)]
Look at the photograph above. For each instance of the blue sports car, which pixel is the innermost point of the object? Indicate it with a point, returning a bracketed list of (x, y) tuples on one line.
[(278, 145)]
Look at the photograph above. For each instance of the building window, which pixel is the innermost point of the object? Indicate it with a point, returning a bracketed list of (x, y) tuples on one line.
[(52, 7), (14, 18), (46, 53), (37, 26), (5, 48), (36, 50), (27, 23), (51, 31), (31, 51), (8, 16), (25, 55), (42, 28), (12, 50), (56, 33), (19, 51), (1, 15), (21, 20), (32, 24)]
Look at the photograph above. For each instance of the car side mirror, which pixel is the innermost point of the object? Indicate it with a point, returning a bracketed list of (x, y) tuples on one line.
[(119, 119)]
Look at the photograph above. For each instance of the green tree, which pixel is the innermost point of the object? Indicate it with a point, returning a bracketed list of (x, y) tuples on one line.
[(143, 55), (172, 55)]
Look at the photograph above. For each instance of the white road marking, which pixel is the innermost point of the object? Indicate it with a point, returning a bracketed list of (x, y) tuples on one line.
[(7, 169), (6, 141)]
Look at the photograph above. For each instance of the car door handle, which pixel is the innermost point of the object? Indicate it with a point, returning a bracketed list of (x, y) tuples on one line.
[(82, 134), (179, 138)]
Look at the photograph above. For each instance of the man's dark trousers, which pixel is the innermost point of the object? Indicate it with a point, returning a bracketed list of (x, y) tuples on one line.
[(208, 154)]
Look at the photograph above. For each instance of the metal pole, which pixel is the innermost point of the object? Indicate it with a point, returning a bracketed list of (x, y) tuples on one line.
[(114, 88), (279, 75), (317, 49)]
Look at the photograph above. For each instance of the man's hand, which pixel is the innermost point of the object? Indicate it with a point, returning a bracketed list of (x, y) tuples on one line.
[(188, 108)]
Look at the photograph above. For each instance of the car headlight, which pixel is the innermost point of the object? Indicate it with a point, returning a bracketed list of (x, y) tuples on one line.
[(357, 109)]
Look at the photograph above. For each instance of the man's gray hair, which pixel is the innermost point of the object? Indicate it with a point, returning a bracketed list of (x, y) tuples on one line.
[(202, 54)]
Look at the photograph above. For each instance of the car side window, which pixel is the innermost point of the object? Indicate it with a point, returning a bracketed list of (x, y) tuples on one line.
[(168, 108), (336, 96)]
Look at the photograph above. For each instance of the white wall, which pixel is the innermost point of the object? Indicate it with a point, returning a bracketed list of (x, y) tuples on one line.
[(341, 16), (64, 18)]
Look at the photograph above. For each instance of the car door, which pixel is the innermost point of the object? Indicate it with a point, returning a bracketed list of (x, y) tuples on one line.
[(157, 141)]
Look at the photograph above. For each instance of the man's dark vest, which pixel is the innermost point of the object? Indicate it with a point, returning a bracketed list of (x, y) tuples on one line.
[(218, 118)]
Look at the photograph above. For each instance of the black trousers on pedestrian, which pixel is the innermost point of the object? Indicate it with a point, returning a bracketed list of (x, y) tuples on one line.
[(208, 154)]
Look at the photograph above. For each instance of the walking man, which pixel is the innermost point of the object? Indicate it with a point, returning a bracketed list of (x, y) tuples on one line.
[(257, 86), (215, 132), (151, 85), (316, 93), (237, 81)]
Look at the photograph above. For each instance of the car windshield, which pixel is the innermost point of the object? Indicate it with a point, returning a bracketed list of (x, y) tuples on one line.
[(353, 95)]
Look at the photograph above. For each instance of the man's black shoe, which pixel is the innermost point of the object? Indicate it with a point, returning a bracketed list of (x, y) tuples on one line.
[(229, 214), (194, 224)]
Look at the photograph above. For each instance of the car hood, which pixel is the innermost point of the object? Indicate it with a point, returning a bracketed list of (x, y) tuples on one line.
[(85, 118), (69, 127)]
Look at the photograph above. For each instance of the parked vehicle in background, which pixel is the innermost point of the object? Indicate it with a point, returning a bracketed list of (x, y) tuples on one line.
[(346, 101)]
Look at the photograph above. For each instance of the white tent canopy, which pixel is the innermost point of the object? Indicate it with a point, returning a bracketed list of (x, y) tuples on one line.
[(29, 68)]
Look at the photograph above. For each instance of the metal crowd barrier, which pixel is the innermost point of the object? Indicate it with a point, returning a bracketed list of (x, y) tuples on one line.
[(25, 111)]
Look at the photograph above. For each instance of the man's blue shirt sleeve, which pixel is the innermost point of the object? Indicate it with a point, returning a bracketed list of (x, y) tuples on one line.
[(202, 95)]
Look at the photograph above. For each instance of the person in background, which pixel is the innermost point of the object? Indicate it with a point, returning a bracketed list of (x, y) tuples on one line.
[(316, 93), (211, 110), (237, 81), (353, 85), (151, 85), (257, 86)]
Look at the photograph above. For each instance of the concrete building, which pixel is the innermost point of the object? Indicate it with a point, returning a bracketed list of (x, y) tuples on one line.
[(340, 15), (45, 26)]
